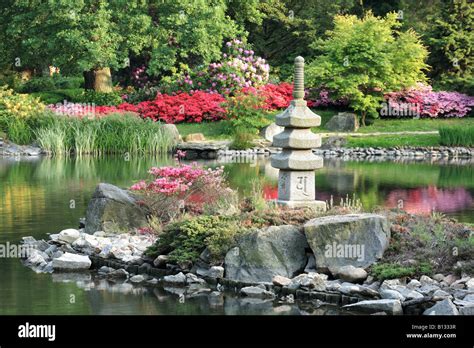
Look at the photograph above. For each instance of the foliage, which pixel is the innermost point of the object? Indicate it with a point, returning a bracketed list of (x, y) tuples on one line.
[(237, 68), (17, 113), (182, 107), (141, 94), (124, 134), (183, 241), (364, 58), (427, 103), (457, 136), (384, 271), (172, 190), (451, 40), (245, 114), (98, 98)]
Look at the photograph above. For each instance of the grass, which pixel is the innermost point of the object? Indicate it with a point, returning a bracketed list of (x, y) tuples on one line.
[(119, 134), (423, 124), (58, 95), (458, 135), (394, 140)]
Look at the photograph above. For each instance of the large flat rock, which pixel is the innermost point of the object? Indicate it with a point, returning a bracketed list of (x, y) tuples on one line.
[(340, 240), (262, 254)]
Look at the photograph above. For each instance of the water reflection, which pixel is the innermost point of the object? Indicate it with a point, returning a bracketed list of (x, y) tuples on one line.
[(36, 195)]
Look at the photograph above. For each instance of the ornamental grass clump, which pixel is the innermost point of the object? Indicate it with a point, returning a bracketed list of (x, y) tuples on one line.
[(457, 136)]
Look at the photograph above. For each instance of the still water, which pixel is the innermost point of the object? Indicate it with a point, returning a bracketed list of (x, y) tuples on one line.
[(47, 195)]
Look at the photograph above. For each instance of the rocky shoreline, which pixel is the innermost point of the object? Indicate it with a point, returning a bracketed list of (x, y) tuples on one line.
[(119, 257), (9, 149)]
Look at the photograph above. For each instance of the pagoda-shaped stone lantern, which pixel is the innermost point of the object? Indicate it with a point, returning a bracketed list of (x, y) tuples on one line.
[(296, 184)]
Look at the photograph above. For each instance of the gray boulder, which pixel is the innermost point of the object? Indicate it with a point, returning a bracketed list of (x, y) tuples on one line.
[(71, 262), (393, 307), (349, 273), (262, 254), (354, 239), (271, 130), (113, 210), (171, 131), (343, 122), (445, 307), (256, 292)]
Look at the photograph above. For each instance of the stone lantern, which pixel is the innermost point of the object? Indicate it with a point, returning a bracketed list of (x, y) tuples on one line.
[(296, 162)]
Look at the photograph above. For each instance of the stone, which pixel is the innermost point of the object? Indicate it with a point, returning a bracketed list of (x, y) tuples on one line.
[(413, 284), (466, 310), (105, 270), (296, 161), (343, 122), (281, 281), (354, 239), (216, 272), (407, 293), (449, 279), (71, 262), (389, 306), (270, 131), (137, 279), (349, 273), (171, 131), (113, 210), (445, 307), (438, 277), (391, 294), (469, 298), (161, 261), (118, 274), (194, 279), (262, 254), (69, 235), (424, 279), (312, 281), (297, 139), (311, 265), (440, 295), (353, 289), (194, 137), (256, 292), (470, 284), (175, 280)]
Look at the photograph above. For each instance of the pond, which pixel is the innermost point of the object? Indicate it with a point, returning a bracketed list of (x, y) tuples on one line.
[(40, 196)]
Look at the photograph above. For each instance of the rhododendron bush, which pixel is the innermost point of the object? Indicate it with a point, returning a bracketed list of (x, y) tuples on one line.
[(279, 96), (430, 103), (182, 188), (182, 107), (238, 68)]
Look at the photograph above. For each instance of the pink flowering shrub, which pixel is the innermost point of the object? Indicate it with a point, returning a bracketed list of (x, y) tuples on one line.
[(238, 68), (430, 103), (184, 187)]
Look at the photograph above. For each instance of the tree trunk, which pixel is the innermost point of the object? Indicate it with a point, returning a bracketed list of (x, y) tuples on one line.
[(363, 118), (99, 80)]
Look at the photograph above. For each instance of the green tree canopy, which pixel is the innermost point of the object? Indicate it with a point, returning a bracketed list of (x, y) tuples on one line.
[(364, 58)]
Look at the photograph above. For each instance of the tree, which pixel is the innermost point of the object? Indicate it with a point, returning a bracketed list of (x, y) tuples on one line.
[(364, 58), (452, 43), (90, 36)]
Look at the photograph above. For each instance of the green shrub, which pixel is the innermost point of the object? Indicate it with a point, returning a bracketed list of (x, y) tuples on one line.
[(183, 241), (241, 140), (98, 98), (245, 113), (457, 135), (38, 84), (384, 271), (68, 82), (17, 113)]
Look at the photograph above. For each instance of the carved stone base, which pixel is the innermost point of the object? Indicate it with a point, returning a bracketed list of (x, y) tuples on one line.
[(315, 205)]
